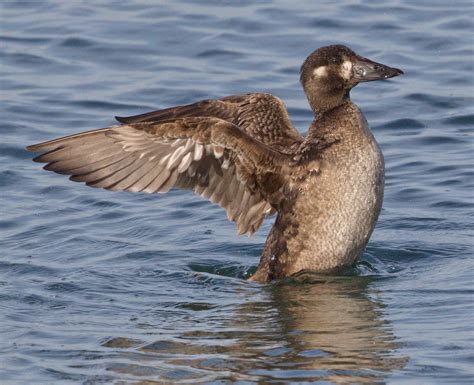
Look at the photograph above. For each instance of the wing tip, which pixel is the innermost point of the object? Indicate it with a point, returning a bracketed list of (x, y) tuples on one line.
[(44, 146), (122, 119), (33, 147)]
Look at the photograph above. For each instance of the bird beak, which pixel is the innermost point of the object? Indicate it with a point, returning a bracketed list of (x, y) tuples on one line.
[(365, 70)]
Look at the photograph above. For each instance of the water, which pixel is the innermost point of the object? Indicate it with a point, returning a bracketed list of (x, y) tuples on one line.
[(100, 287)]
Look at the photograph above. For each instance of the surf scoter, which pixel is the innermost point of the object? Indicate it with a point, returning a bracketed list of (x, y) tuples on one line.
[(243, 153)]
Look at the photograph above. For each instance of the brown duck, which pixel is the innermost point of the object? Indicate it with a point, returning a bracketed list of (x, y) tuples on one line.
[(243, 153)]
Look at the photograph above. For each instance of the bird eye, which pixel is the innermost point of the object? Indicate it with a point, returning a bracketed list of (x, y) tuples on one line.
[(333, 60)]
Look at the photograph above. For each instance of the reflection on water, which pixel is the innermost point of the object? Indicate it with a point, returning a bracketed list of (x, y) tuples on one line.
[(329, 330), (334, 327)]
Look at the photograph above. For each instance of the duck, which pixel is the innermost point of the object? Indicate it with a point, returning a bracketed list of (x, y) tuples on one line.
[(243, 153)]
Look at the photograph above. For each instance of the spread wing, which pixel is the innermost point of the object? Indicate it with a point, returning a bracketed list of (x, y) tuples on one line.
[(211, 156), (262, 116)]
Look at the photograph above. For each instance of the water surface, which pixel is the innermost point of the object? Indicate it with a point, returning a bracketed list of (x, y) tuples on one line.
[(100, 287)]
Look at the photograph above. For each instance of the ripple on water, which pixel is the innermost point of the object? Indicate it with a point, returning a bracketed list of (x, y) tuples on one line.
[(15, 152), (436, 101), (405, 123), (216, 53), (27, 60), (460, 120), (235, 270), (29, 268), (10, 178), (77, 42), (436, 140)]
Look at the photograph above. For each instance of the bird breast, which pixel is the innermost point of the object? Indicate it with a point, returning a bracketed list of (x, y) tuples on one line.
[(337, 209)]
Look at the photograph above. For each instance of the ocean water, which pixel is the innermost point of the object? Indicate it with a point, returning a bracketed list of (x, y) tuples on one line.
[(99, 287)]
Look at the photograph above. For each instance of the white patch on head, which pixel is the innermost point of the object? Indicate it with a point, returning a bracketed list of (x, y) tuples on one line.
[(346, 69), (320, 71)]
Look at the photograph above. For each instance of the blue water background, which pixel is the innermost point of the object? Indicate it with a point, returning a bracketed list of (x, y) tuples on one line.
[(101, 287)]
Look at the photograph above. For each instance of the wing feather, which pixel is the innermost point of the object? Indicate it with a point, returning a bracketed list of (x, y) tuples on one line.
[(157, 182), (210, 156), (261, 115)]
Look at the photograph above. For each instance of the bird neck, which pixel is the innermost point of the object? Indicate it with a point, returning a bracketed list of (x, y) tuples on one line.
[(323, 99), (327, 122)]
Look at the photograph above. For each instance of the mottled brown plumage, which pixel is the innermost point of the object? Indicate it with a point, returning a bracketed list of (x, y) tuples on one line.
[(243, 153)]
